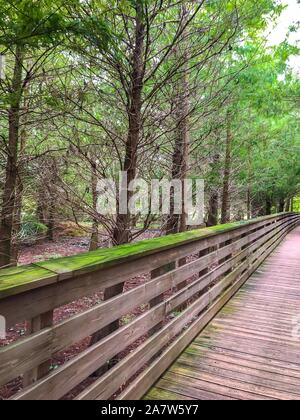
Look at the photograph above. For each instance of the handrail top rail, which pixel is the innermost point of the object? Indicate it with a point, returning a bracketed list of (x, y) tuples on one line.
[(15, 280)]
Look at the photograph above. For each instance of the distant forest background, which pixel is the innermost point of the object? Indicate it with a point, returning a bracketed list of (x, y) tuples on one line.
[(160, 89)]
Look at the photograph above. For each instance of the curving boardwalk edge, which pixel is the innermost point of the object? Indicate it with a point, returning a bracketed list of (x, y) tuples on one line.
[(251, 350)]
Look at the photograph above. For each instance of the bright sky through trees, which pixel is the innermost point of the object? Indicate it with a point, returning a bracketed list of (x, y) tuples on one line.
[(289, 17)]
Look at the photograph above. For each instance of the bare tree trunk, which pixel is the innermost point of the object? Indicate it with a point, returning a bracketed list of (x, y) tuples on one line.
[(180, 165), (213, 209), (17, 221), (281, 205), (250, 177), (41, 210), (268, 206), (121, 234), (185, 133), (249, 203), (259, 205), (51, 215), (9, 194), (51, 199), (180, 161), (19, 187), (173, 221), (213, 205), (225, 217), (95, 228)]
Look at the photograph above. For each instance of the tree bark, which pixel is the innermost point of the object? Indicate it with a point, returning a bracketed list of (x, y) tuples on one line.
[(121, 234), (17, 221), (19, 186), (281, 205), (213, 209), (41, 210), (51, 215), (180, 161), (258, 205), (250, 187), (268, 206), (9, 193), (288, 205), (95, 228), (225, 216), (213, 205)]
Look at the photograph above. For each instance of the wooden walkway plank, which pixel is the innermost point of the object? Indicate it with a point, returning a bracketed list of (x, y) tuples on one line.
[(249, 350)]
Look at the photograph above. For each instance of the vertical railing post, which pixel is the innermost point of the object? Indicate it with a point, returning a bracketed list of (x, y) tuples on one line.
[(160, 298), (37, 324)]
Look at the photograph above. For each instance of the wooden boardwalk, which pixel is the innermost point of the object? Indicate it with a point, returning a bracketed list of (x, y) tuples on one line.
[(250, 351)]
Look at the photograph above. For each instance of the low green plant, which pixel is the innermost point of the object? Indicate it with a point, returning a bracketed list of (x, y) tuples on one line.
[(31, 229)]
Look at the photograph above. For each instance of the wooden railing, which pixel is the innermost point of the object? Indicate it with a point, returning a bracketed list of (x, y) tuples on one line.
[(188, 278)]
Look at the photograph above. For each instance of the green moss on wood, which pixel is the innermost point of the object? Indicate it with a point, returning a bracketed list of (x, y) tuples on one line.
[(106, 257), (156, 394), (39, 274), (23, 278)]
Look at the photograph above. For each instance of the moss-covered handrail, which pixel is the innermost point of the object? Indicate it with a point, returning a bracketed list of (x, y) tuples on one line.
[(178, 301), (23, 278)]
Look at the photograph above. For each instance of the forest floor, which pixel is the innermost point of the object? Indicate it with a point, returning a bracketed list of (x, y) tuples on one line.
[(45, 250)]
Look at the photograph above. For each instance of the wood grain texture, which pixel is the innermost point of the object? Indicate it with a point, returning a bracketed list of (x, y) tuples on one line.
[(223, 270), (16, 280), (248, 351)]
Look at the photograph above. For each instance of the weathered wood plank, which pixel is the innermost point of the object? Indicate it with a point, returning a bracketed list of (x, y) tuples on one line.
[(42, 346), (246, 245), (178, 299), (16, 280), (98, 389), (249, 346), (37, 324)]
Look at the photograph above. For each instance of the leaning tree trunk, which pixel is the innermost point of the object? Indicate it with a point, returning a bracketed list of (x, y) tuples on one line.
[(121, 234), (225, 216), (9, 193)]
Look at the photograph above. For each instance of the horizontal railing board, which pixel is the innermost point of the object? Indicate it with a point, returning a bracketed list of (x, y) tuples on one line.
[(44, 344), (17, 308), (19, 279), (16, 281), (47, 385)]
